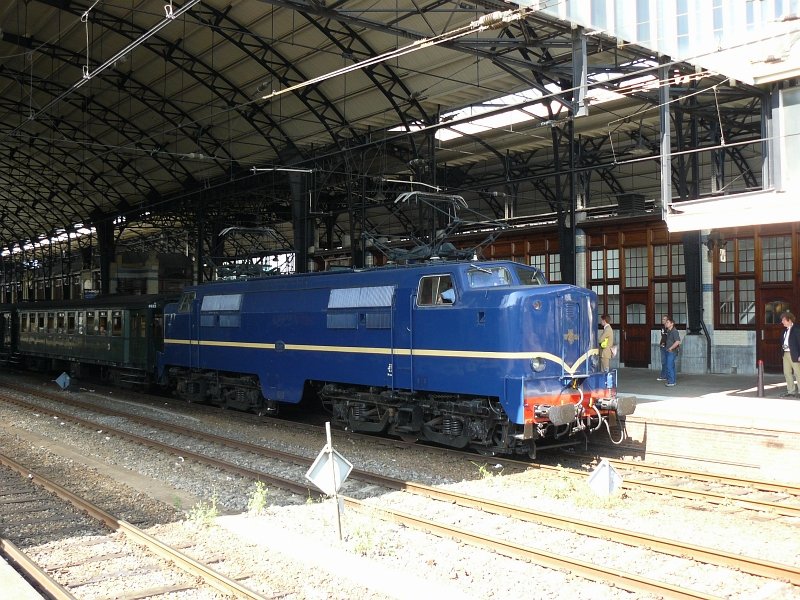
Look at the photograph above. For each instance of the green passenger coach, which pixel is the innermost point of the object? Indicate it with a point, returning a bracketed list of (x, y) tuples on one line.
[(115, 336)]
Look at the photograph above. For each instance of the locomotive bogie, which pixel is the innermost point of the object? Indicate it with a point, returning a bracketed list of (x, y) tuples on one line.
[(236, 391), (458, 422)]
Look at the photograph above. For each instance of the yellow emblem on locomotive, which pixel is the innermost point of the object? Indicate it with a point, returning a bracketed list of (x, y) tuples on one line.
[(571, 337)]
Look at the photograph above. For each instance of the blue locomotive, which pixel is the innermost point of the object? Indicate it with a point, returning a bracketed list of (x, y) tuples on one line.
[(481, 355)]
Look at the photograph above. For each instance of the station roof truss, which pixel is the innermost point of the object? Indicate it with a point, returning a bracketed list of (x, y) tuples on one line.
[(162, 117)]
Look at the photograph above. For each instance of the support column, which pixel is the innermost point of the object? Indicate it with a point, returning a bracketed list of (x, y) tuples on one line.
[(105, 247), (301, 219), (666, 139), (707, 274), (581, 275)]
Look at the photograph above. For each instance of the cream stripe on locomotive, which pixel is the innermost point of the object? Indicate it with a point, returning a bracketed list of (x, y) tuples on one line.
[(397, 351)]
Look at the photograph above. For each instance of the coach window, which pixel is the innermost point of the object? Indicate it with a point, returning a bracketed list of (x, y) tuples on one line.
[(23, 322), (435, 290), (61, 322), (81, 323), (51, 322), (116, 323), (91, 323), (102, 323), (40, 321), (70, 322)]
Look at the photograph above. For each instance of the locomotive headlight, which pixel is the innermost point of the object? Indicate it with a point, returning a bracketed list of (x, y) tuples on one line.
[(537, 305), (537, 364)]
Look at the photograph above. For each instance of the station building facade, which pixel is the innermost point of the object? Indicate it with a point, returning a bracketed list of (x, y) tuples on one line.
[(749, 275)]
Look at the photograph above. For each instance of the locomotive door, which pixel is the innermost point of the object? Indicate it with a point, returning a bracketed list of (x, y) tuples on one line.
[(399, 368), (635, 335), (194, 334), (770, 337)]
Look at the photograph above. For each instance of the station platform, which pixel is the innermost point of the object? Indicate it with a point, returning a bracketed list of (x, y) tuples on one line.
[(715, 423), (13, 585)]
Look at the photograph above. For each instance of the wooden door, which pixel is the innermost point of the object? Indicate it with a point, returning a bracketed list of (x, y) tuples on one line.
[(770, 330), (635, 334)]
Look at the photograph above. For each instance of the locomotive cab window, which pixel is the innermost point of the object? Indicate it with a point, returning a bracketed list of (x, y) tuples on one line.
[(436, 290), (530, 276), (187, 299), (482, 277)]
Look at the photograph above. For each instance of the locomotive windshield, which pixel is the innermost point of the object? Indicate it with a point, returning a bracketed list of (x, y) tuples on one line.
[(530, 276), (482, 277)]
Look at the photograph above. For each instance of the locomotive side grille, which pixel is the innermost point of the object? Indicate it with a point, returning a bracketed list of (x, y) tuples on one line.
[(573, 333), (571, 310)]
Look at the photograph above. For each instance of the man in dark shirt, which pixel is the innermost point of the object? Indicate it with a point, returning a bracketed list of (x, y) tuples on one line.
[(663, 347), (672, 343), (791, 354)]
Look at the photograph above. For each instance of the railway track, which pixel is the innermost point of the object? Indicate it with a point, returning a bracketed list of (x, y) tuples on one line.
[(74, 546), (781, 499), (628, 581)]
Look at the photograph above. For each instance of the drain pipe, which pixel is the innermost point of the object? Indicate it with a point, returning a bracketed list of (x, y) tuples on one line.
[(708, 345)]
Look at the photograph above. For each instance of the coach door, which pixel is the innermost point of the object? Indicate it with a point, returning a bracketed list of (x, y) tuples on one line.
[(188, 306), (770, 338), (5, 336), (635, 336)]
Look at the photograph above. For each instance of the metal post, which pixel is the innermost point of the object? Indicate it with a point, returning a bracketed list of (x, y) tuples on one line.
[(335, 482), (760, 378)]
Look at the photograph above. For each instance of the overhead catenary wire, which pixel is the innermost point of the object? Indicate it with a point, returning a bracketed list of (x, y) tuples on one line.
[(466, 120), (490, 21), (418, 128), (89, 75)]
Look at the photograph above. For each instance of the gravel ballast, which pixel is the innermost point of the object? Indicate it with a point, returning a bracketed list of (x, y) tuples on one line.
[(292, 549)]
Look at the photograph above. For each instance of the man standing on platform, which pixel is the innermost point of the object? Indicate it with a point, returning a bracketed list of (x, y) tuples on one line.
[(605, 342), (791, 355), (672, 343), (663, 347)]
